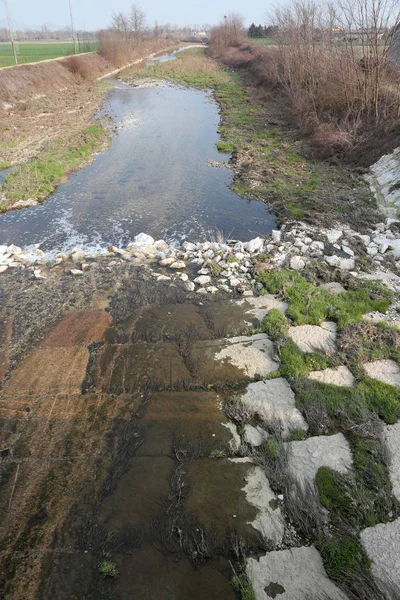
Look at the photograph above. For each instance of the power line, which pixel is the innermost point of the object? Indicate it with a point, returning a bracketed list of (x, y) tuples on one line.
[(11, 33), (72, 25)]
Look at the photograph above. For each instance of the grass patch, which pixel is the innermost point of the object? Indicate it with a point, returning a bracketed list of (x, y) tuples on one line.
[(351, 404), (242, 586), (296, 363), (4, 165), (345, 559), (217, 453), (275, 324), (225, 146), (39, 178), (311, 304)]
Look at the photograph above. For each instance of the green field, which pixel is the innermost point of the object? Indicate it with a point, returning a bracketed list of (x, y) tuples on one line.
[(41, 51), (268, 41)]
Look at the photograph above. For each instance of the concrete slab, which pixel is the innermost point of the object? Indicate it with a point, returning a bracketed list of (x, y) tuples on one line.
[(387, 371), (50, 371), (391, 436), (259, 306), (307, 456), (78, 328), (274, 402), (269, 520), (340, 376), (382, 544), (295, 574), (235, 358), (312, 338)]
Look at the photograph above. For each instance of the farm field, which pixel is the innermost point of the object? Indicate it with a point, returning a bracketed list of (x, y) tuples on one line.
[(39, 51)]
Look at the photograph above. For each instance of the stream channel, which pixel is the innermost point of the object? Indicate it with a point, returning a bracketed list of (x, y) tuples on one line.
[(179, 514), (154, 178)]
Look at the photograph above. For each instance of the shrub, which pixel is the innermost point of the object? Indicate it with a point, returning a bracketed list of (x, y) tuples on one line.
[(107, 568)]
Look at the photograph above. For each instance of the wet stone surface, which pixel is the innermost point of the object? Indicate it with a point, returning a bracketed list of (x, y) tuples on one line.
[(107, 436)]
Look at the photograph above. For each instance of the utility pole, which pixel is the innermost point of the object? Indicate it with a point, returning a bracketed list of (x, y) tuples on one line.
[(72, 25), (11, 33)]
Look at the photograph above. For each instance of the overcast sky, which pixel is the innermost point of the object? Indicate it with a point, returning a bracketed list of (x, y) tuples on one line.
[(94, 14)]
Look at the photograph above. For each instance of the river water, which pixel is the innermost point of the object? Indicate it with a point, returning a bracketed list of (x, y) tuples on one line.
[(154, 178)]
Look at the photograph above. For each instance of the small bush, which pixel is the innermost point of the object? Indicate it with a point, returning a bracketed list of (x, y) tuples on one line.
[(107, 568)]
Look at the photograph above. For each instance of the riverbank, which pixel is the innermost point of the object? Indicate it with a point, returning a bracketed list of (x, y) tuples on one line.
[(269, 158), (47, 124)]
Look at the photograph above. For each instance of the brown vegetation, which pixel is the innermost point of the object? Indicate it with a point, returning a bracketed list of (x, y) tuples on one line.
[(342, 93), (119, 50)]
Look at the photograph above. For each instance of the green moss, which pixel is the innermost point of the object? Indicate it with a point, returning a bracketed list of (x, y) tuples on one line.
[(310, 304), (4, 165), (275, 324), (231, 259)]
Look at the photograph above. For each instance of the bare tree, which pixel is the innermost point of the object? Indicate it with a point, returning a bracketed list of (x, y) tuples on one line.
[(120, 23), (137, 21)]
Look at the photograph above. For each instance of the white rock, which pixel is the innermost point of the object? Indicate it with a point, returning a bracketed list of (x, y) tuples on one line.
[(3, 268), (276, 235), (78, 256), (372, 251), (3, 249), (391, 437), (163, 278), (297, 263), (189, 285), (334, 235), (383, 247), (189, 246), (203, 279), (212, 289), (179, 264), (167, 262), (255, 436), (161, 245), (366, 239), (183, 276), (348, 250), (332, 261), (202, 291), (239, 255), (255, 355), (234, 282), (204, 272), (317, 245), (76, 272), (253, 245), (333, 287), (142, 240), (347, 264)]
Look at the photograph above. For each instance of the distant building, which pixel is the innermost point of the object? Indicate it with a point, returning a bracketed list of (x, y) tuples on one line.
[(394, 50)]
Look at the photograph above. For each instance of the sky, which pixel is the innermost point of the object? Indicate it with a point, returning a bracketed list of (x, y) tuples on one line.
[(95, 14)]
